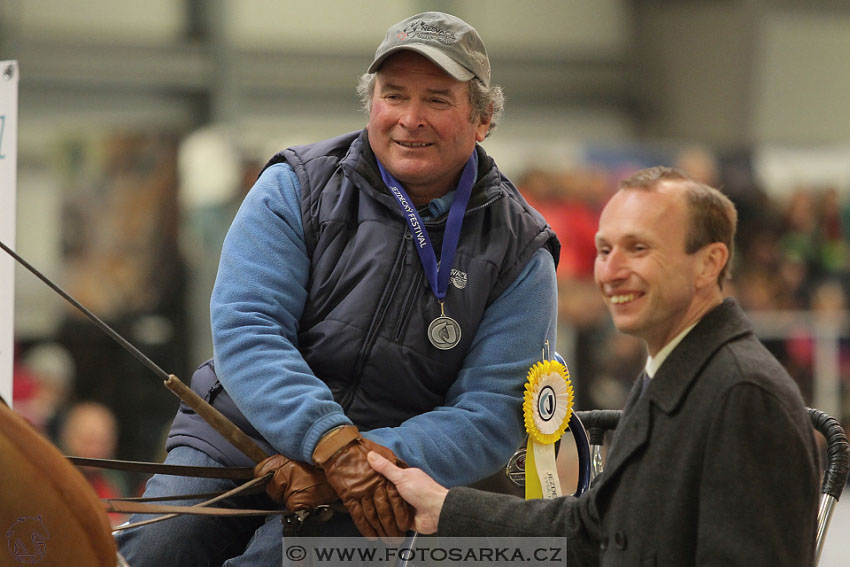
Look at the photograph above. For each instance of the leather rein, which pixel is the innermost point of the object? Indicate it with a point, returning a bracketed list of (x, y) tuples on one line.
[(222, 425)]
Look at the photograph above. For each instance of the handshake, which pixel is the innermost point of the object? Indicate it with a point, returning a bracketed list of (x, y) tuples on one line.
[(343, 473)]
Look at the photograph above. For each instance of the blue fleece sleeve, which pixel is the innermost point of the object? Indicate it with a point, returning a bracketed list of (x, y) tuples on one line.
[(257, 301), (481, 425)]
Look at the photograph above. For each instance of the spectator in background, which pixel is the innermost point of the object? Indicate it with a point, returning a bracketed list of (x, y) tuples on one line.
[(43, 385), (700, 164), (90, 430), (834, 236), (828, 306), (570, 201)]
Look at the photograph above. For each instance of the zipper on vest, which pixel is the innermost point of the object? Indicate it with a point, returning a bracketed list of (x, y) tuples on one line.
[(484, 205), (409, 296), (380, 311), (214, 391)]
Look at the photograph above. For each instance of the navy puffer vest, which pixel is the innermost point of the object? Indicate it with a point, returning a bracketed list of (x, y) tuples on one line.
[(364, 326)]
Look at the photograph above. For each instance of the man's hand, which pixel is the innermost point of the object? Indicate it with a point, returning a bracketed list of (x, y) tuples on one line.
[(373, 502), (296, 485), (417, 488)]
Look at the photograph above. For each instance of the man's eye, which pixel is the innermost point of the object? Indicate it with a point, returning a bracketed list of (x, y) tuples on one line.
[(439, 101)]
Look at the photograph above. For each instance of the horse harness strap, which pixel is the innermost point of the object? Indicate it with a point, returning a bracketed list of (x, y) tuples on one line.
[(233, 473)]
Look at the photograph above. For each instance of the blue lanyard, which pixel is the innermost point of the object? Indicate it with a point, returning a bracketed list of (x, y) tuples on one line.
[(438, 275)]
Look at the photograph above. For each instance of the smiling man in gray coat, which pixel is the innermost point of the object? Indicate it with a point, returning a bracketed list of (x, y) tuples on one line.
[(713, 462)]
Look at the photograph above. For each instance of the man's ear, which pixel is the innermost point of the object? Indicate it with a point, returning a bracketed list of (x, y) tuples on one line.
[(483, 125), (712, 258)]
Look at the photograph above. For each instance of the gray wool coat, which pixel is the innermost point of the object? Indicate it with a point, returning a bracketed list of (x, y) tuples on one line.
[(715, 464)]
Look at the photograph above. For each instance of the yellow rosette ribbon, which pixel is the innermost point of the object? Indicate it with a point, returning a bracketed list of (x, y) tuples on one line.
[(547, 408)]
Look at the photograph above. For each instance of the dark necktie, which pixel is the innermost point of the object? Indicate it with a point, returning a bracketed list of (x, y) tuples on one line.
[(644, 381)]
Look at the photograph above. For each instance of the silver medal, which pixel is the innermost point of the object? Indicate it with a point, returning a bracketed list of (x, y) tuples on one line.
[(444, 332)]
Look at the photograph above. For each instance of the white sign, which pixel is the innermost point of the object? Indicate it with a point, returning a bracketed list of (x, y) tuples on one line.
[(8, 182)]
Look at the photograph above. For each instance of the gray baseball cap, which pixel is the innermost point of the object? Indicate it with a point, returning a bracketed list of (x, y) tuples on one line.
[(449, 42)]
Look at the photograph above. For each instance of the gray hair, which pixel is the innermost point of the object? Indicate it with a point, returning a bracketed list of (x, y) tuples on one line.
[(484, 101)]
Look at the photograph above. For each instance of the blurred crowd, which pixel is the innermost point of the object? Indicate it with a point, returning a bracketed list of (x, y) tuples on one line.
[(147, 270), (43, 393)]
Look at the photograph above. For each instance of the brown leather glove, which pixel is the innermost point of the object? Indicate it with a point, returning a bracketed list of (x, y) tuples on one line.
[(296, 485), (373, 501)]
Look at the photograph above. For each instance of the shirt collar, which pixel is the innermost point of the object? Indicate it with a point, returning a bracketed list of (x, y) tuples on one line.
[(653, 363), (438, 207)]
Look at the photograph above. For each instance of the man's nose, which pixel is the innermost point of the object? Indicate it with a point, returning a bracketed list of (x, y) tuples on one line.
[(611, 268), (412, 115)]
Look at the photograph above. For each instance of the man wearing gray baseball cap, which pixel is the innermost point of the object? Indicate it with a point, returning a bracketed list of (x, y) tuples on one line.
[(386, 290), (449, 42)]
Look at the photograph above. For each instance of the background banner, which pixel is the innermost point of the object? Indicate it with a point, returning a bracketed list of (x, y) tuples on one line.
[(8, 182)]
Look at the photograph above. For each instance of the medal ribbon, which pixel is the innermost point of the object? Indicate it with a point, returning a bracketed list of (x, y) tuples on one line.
[(437, 274)]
